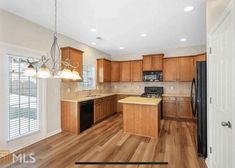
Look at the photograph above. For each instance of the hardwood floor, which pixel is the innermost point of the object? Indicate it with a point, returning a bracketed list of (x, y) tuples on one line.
[(107, 142)]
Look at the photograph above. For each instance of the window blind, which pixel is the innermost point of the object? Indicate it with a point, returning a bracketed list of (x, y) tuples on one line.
[(88, 82), (23, 110)]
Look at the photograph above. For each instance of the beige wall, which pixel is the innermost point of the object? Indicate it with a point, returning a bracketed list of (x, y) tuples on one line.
[(214, 9), (17, 31)]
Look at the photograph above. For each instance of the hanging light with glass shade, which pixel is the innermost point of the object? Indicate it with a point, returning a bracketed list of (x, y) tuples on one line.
[(55, 62)]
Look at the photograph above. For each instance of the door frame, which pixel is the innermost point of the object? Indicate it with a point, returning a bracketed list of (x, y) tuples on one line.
[(229, 8)]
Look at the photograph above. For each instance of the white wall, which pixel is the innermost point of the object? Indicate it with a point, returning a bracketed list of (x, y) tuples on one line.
[(171, 52), (17, 31), (214, 9)]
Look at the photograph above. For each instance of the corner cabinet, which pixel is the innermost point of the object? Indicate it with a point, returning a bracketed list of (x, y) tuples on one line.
[(76, 58), (125, 71), (137, 71), (103, 70)]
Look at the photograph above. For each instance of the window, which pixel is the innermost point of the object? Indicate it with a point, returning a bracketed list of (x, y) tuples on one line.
[(88, 82), (23, 101)]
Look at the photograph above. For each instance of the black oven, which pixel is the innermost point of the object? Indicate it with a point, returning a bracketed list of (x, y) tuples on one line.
[(152, 76)]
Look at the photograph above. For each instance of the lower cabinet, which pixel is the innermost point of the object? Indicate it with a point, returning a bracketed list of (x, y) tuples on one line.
[(70, 117), (177, 107), (104, 107)]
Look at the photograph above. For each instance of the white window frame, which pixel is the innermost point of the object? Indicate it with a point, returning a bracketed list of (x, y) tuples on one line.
[(94, 80), (37, 105)]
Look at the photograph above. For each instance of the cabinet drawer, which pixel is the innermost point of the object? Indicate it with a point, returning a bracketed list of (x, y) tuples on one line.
[(183, 99), (168, 98)]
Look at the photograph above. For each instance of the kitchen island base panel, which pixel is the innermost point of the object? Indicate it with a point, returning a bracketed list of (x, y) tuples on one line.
[(143, 120)]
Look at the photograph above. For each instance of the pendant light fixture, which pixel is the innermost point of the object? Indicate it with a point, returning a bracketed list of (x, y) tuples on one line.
[(55, 62)]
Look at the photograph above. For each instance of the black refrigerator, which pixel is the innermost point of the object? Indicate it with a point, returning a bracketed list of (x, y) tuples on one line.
[(199, 107)]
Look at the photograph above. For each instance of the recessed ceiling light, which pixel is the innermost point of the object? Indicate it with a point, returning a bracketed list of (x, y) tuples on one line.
[(93, 43), (121, 48), (183, 40), (188, 8), (143, 35), (93, 30)]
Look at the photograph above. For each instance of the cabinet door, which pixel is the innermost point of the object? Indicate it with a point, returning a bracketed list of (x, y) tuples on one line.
[(186, 69), (107, 71), (76, 59), (125, 71), (147, 63), (97, 112), (184, 110), (169, 109), (157, 63), (103, 71), (170, 69), (70, 117), (115, 71), (137, 71)]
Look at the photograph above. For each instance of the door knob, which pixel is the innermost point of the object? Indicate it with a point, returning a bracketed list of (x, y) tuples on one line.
[(226, 124)]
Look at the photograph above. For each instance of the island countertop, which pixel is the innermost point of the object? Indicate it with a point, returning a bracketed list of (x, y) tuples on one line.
[(141, 101)]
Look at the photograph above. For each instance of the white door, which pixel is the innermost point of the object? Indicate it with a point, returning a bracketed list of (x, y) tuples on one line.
[(221, 83)]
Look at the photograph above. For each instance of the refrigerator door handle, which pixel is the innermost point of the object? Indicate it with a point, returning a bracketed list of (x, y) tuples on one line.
[(193, 99)]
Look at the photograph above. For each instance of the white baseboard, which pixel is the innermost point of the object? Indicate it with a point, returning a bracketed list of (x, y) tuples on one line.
[(53, 133)]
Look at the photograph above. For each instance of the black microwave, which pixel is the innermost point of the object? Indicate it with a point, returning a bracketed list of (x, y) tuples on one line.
[(153, 76)]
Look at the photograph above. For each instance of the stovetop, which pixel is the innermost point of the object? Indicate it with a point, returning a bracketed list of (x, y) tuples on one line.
[(153, 92)]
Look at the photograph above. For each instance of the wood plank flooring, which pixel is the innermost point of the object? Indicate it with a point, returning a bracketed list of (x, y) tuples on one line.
[(107, 142)]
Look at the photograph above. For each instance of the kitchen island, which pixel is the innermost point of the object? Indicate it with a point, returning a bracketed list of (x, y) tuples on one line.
[(141, 116)]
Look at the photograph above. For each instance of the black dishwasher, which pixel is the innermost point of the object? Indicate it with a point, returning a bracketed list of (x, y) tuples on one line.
[(86, 114)]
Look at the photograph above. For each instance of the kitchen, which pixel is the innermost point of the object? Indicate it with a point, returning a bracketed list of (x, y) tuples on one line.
[(116, 84)]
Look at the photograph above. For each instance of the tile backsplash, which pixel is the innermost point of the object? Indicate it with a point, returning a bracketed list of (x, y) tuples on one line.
[(71, 89), (138, 87)]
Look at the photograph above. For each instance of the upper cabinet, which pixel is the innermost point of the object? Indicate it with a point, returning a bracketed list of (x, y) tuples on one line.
[(153, 62), (137, 71), (178, 69), (76, 58), (115, 71), (200, 57), (186, 69), (103, 70), (170, 69), (125, 71)]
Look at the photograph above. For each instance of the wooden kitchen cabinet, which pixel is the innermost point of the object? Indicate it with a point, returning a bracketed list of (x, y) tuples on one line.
[(115, 71), (178, 69), (76, 59), (104, 107), (103, 70), (153, 62), (70, 117), (125, 71), (137, 71), (169, 109), (200, 57), (170, 69), (186, 69), (177, 107)]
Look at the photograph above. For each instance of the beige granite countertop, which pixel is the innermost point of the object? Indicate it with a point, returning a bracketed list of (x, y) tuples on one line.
[(97, 96), (141, 101)]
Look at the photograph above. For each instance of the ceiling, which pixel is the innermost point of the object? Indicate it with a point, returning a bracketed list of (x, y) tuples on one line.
[(120, 22)]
